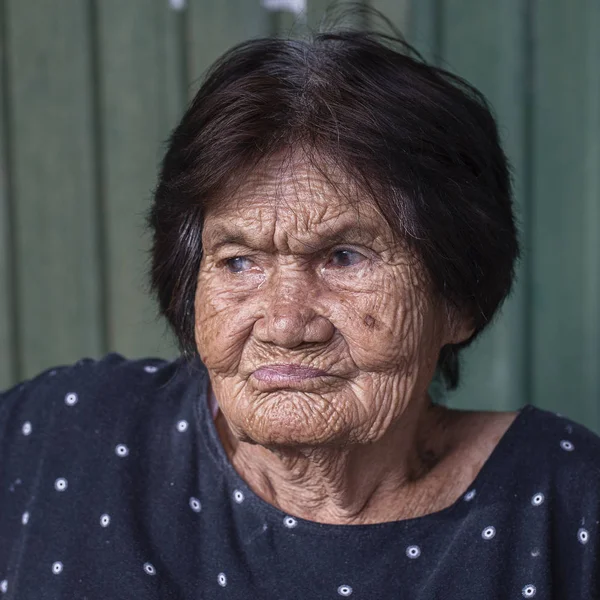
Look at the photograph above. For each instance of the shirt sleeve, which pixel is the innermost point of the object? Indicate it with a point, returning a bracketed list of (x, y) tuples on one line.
[(575, 549)]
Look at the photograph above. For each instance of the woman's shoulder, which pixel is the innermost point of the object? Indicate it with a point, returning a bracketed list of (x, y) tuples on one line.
[(531, 447), (108, 382), (554, 454), (564, 444), (112, 367), (535, 434)]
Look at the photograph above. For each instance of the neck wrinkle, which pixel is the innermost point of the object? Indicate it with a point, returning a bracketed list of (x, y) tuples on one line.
[(368, 484)]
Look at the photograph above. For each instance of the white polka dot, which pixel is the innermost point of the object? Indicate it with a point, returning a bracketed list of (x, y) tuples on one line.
[(583, 535), (182, 425), (71, 399), (61, 484), (567, 445), (149, 568), (345, 590), (413, 552), (26, 429), (535, 552), (57, 567), (121, 450), (290, 522), (150, 368), (4, 586), (25, 518), (529, 591), (222, 579), (105, 520), (17, 481), (52, 373), (238, 496), (195, 504), (488, 533), (537, 499), (470, 495)]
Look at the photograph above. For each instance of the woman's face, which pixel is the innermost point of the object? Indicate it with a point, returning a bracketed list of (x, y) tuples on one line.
[(314, 323)]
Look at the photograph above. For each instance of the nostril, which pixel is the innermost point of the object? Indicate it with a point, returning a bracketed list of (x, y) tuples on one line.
[(319, 331)]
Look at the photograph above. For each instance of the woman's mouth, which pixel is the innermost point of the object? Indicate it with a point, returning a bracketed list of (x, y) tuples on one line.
[(289, 373)]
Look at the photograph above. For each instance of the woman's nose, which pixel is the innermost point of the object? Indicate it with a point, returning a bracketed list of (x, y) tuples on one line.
[(290, 318)]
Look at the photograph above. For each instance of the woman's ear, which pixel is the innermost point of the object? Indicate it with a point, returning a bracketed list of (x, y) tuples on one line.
[(463, 332), (459, 328)]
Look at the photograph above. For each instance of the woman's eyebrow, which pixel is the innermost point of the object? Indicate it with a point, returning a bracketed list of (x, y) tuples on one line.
[(353, 234), (346, 234), (225, 237)]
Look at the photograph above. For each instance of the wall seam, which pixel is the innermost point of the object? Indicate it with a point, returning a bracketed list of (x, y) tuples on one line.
[(16, 367), (528, 98), (99, 174), (592, 204)]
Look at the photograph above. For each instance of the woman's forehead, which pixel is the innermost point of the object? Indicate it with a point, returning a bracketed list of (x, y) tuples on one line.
[(299, 201), (298, 183), (289, 234)]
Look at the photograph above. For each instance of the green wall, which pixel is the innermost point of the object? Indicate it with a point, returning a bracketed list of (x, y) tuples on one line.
[(91, 88)]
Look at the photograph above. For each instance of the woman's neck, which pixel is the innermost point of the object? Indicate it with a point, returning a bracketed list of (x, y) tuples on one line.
[(397, 477)]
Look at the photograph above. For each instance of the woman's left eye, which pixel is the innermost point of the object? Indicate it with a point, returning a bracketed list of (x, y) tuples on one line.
[(238, 264), (346, 258)]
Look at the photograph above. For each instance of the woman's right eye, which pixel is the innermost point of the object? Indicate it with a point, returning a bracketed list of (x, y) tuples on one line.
[(238, 264)]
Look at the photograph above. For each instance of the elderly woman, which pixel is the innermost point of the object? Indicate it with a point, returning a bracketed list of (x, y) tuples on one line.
[(332, 225)]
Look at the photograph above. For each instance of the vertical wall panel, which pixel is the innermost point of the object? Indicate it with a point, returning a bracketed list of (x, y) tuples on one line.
[(172, 61), (397, 11), (565, 223), (140, 87), (591, 233), (7, 350), (214, 27), (324, 12), (484, 41), (52, 181), (315, 10), (424, 32), (287, 19)]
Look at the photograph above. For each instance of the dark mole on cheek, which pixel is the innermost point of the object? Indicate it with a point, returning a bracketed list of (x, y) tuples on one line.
[(369, 321)]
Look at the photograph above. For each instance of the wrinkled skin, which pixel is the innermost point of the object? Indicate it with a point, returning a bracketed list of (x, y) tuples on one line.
[(295, 273)]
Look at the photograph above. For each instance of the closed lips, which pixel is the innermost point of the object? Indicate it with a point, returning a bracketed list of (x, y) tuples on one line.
[(286, 372)]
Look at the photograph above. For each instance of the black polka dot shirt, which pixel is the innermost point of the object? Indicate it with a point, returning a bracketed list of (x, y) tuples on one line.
[(114, 485)]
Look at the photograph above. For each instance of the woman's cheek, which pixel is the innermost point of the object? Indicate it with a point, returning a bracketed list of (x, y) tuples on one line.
[(221, 341), (350, 281), (224, 321), (378, 323)]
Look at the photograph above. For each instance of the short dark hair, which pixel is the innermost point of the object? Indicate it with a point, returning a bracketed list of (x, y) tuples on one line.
[(420, 141)]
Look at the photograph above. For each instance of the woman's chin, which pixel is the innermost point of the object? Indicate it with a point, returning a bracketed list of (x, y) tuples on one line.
[(286, 422)]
